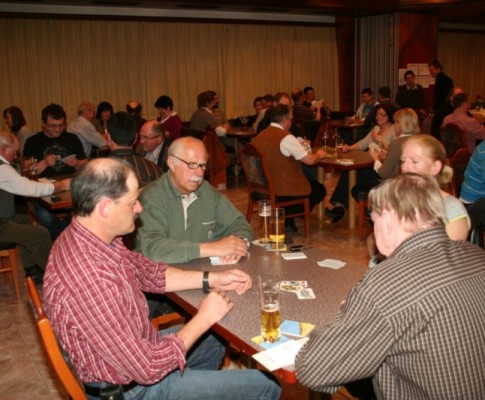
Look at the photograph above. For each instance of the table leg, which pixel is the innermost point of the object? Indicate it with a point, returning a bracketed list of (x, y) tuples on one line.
[(236, 150), (352, 205), (321, 179)]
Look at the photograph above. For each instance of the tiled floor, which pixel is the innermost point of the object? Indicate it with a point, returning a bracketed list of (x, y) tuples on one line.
[(24, 370)]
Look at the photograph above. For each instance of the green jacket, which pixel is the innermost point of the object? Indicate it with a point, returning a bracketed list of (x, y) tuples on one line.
[(161, 234)]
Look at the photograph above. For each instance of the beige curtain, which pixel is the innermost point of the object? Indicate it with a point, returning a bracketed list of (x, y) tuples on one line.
[(463, 59), (69, 62)]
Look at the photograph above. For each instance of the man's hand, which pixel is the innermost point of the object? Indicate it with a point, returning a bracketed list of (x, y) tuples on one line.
[(215, 306), (62, 185), (50, 160), (233, 279), (71, 161), (231, 246)]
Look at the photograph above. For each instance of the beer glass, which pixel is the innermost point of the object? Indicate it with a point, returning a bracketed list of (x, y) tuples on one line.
[(277, 228), (264, 207), (270, 311)]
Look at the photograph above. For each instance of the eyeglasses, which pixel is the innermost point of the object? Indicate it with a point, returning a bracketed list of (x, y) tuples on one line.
[(147, 138), (192, 165)]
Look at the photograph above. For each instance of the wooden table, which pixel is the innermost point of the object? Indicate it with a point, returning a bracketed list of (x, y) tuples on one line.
[(243, 322), (340, 124), (64, 202), (237, 134), (361, 159)]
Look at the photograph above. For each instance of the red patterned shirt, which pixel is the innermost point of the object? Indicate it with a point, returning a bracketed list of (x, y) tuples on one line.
[(93, 297)]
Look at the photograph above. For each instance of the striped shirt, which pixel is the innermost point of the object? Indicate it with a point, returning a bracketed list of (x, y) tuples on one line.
[(145, 170), (415, 323), (93, 297)]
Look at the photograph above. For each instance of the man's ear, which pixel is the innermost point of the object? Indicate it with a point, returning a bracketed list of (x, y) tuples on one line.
[(104, 207), (170, 163)]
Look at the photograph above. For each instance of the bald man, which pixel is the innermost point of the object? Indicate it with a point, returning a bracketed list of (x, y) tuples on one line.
[(184, 217)]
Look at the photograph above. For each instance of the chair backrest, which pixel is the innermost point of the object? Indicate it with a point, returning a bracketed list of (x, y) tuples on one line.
[(256, 177), (458, 162), (218, 160), (49, 339), (453, 138)]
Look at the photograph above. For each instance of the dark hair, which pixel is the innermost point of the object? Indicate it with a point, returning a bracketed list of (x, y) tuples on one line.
[(279, 112), (18, 119), (296, 94), (103, 106), (205, 98), (122, 128), (55, 111), (409, 72), (368, 91), (259, 98), (268, 98), (385, 92), (91, 182), (388, 108), (459, 99), (164, 102), (436, 64), (134, 110), (307, 89)]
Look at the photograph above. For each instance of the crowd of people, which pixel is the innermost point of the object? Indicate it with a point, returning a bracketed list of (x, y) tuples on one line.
[(417, 286)]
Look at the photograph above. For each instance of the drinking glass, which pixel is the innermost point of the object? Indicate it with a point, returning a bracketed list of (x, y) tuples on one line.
[(270, 311), (264, 207), (244, 122), (277, 228), (339, 148)]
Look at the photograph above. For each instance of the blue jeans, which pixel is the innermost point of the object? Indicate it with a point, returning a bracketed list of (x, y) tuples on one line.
[(51, 220), (203, 381)]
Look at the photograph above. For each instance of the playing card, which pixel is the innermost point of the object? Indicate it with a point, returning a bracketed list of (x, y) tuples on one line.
[(305, 294), (292, 286)]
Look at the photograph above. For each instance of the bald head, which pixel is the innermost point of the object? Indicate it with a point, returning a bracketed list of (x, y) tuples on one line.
[(133, 107), (152, 135)]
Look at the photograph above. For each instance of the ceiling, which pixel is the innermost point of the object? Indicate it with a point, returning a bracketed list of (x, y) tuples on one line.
[(464, 12)]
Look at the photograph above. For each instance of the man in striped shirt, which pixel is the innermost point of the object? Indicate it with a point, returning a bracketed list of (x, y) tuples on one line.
[(415, 323)]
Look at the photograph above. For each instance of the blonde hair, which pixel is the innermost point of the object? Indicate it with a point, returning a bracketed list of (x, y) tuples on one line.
[(415, 199), (434, 150), (408, 121)]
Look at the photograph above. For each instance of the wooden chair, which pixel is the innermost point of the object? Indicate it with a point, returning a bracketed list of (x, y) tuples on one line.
[(458, 162), (8, 260), (453, 138), (61, 366), (260, 185)]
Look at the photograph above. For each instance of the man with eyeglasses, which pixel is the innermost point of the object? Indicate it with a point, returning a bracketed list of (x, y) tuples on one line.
[(184, 217), (57, 152), (154, 143)]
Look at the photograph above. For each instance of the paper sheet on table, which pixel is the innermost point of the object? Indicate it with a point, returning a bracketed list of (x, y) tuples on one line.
[(298, 255), (280, 356), (329, 263)]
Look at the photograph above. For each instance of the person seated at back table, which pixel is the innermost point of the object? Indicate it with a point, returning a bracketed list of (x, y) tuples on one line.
[(121, 136), (380, 136), (93, 298), (171, 122), (184, 217), (34, 241), (413, 324), (285, 155), (57, 152), (460, 116), (154, 143)]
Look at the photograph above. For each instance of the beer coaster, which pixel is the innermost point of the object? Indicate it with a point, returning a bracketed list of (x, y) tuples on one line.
[(259, 340)]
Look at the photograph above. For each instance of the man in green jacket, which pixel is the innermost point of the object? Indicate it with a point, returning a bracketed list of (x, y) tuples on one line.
[(185, 218)]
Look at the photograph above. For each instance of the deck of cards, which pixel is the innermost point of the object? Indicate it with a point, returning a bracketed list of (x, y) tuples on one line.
[(299, 287)]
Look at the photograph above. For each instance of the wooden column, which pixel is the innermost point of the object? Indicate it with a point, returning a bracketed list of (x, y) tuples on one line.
[(345, 32)]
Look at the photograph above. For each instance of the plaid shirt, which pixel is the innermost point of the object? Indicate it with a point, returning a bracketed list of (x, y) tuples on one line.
[(415, 323), (93, 297)]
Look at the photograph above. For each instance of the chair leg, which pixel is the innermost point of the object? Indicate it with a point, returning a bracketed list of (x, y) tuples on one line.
[(307, 219), (362, 205)]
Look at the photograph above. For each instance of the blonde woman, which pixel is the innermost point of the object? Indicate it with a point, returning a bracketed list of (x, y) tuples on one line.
[(425, 155)]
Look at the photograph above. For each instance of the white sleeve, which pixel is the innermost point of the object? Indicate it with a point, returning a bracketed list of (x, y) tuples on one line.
[(12, 182), (291, 147), (220, 131)]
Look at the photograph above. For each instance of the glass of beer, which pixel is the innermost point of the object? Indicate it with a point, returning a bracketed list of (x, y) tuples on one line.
[(277, 228), (264, 207), (270, 311), (339, 148)]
